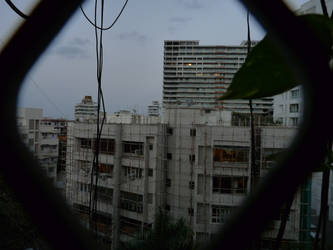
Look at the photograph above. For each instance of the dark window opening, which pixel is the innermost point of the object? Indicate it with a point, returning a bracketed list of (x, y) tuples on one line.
[(231, 154), (134, 148), (229, 184)]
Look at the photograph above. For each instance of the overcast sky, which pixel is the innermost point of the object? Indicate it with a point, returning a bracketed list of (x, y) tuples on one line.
[(133, 50)]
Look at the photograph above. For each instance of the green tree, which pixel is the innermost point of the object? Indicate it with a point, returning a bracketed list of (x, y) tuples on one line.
[(165, 235)]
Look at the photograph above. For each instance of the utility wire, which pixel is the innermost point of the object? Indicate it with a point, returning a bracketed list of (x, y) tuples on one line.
[(102, 28), (47, 97), (93, 198), (16, 10)]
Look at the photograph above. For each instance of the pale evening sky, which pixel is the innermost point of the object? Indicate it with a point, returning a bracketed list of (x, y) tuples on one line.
[(133, 50)]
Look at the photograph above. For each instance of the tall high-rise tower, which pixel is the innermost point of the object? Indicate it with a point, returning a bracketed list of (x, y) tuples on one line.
[(196, 75)]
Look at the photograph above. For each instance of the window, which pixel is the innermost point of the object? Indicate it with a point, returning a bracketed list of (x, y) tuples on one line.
[(220, 213), (293, 121), (231, 154), (167, 207), (169, 131), (106, 146), (190, 211), (132, 173), (151, 147), (270, 156), (104, 194), (168, 182), (133, 148), (150, 172), (191, 184), (193, 132), (131, 202), (105, 168), (129, 226), (31, 124), (85, 143), (230, 184), (169, 156), (294, 108), (192, 158), (294, 93)]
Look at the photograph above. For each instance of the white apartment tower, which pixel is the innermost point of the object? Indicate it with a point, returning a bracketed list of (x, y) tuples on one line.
[(194, 76), (288, 107), (85, 110)]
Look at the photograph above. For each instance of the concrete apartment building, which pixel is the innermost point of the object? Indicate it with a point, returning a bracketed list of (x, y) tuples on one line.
[(194, 76), (154, 109), (193, 163), (288, 107), (41, 136), (87, 109), (190, 168)]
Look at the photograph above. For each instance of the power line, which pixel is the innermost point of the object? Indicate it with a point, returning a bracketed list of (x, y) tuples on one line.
[(102, 28), (47, 97), (16, 10)]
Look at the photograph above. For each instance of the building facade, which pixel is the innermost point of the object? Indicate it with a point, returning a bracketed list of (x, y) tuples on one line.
[(87, 109), (288, 107), (46, 139), (154, 109), (194, 76), (192, 170)]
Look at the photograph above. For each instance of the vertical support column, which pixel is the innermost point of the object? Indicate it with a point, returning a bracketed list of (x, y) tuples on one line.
[(145, 181), (116, 190)]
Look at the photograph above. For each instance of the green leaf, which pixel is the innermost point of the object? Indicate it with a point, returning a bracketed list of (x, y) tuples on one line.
[(265, 71)]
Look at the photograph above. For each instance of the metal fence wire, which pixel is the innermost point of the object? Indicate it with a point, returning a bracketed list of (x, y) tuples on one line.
[(45, 205)]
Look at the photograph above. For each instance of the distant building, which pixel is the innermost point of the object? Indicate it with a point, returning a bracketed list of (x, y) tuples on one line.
[(86, 110), (288, 107), (194, 76), (28, 121), (154, 109), (128, 117), (53, 146), (46, 138)]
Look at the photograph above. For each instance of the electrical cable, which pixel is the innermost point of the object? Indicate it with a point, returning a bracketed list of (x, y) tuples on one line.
[(102, 28), (47, 97), (16, 10)]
